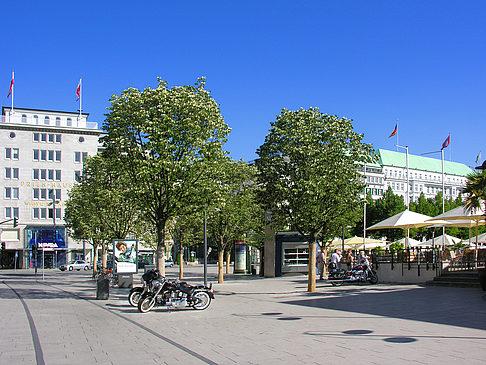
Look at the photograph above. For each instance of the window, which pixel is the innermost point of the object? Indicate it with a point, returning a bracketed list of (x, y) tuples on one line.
[(43, 155), (51, 138), (58, 121), (43, 194), (11, 153), (58, 156), (77, 156), (43, 174), (36, 155), (46, 120), (12, 135), (43, 137), (81, 139), (35, 194), (35, 174), (58, 213), (58, 175), (36, 137), (11, 173), (51, 155), (50, 174), (11, 212), (36, 119), (58, 138), (24, 118), (77, 175), (8, 173), (69, 122), (11, 193), (35, 213), (43, 214)]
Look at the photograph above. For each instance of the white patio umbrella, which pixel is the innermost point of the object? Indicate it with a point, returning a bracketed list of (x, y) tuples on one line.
[(405, 220), (412, 242), (460, 214), (436, 241)]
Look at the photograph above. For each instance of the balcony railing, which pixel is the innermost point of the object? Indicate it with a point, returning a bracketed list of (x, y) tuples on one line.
[(57, 122)]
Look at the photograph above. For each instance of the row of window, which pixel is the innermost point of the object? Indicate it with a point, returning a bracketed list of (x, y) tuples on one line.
[(11, 212), (47, 137), (46, 174), (427, 177), (37, 213), (47, 120), (44, 155), (37, 193)]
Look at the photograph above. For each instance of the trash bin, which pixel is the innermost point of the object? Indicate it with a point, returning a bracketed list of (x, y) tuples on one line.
[(102, 289), (125, 280)]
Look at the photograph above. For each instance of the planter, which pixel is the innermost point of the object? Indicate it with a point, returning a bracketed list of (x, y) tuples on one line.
[(482, 278)]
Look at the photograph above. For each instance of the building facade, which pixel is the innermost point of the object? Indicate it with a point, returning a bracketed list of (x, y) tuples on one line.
[(425, 176), (42, 156)]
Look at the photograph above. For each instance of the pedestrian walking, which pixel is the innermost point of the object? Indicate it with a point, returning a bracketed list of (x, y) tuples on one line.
[(350, 259)]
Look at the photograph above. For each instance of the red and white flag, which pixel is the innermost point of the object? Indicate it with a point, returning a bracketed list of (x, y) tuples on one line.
[(78, 91), (11, 86), (446, 142)]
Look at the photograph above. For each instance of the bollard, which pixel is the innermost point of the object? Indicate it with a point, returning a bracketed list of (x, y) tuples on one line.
[(102, 289)]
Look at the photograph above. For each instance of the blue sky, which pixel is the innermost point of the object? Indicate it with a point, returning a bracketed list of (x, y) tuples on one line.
[(419, 62)]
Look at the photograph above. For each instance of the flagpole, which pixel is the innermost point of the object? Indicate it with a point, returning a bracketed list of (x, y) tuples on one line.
[(443, 196), (13, 86), (397, 136), (80, 97)]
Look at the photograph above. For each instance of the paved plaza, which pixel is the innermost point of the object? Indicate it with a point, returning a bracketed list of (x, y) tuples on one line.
[(251, 321)]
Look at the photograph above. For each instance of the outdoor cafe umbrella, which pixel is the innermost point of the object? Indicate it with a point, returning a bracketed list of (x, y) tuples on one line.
[(446, 240), (405, 220), (412, 242), (356, 243), (461, 214)]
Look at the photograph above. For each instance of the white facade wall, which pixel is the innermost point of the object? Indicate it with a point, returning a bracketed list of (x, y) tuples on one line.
[(50, 154)]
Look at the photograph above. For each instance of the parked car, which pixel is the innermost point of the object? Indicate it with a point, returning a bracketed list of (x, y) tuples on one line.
[(169, 263), (76, 265)]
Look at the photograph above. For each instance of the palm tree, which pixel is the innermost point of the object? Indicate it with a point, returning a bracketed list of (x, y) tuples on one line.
[(475, 190)]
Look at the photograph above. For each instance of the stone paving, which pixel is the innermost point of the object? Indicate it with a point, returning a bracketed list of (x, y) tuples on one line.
[(252, 321)]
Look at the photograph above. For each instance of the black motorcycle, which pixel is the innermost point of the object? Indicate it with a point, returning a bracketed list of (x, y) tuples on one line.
[(147, 280), (361, 273), (175, 294)]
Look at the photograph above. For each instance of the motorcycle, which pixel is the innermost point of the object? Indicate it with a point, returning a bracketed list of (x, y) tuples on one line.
[(175, 294), (361, 273), (137, 292)]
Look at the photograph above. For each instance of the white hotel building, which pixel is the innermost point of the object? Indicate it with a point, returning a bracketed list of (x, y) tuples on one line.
[(425, 176), (42, 154)]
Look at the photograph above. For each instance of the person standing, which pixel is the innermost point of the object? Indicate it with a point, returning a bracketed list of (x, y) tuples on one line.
[(350, 259), (321, 259)]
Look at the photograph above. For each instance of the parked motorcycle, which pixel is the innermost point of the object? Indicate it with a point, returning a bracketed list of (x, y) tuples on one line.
[(175, 294), (361, 273), (137, 292)]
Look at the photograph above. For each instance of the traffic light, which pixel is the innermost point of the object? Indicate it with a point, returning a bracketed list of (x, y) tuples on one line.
[(3, 246), (15, 222)]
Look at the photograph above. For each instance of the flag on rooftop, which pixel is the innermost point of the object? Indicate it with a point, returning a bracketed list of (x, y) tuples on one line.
[(394, 131), (78, 91), (446, 142), (11, 85), (479, 157)]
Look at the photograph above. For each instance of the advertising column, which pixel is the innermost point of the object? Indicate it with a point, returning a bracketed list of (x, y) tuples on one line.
[(240, 258)]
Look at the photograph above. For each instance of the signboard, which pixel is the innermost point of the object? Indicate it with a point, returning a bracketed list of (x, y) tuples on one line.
[(125, 253)]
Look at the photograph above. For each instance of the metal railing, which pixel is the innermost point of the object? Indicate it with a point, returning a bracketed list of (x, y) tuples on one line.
[(64, 122)]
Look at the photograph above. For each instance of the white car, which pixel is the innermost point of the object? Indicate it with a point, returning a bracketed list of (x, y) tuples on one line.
[(76, 265)]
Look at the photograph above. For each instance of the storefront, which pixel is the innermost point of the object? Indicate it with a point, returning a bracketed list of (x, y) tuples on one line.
[(291, 253), (51, 247)]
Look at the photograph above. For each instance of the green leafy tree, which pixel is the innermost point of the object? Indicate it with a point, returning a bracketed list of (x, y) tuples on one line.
[(308, 173), (475, 190), (99, 208), (169, 141), (236, 211)]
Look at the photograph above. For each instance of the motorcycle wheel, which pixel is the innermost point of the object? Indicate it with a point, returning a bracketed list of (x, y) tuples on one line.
[(337, 283), (201, 300), (373, 278), (146, 304), (134, 296)]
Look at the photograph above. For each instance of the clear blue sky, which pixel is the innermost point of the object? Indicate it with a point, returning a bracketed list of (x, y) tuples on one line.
[(421, 62)]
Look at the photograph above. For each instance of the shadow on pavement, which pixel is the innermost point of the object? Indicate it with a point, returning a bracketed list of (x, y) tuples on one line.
[(450, 306)]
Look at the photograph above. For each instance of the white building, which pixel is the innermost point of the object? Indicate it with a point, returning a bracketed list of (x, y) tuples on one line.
[(425, 176), (42, 156)]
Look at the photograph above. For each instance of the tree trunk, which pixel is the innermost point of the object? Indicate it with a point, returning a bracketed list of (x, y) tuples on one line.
[(228, 258), (104, 254), (160, 252), (220, 266), (181, 263), (311, 281)]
